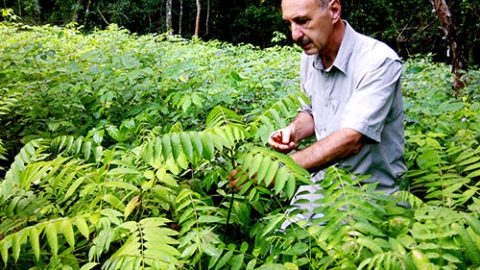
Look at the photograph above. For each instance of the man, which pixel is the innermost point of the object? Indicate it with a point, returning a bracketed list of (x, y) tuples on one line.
[(353, 83)]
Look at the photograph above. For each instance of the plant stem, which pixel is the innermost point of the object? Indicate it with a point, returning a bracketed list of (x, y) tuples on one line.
[(232, 196)]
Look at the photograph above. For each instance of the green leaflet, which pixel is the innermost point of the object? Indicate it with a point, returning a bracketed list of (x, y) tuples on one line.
[(236, 262), (270, 176), (208, 146), (224, 260), (281, 176), (470, 248), (51, 233), (89, 266), (197, 143), (114, 201), (291, 186), (34, 237), (120, 184), (272, 223), (255, 165), (4, 246), (264, 166), (67, 230), (186, 145), (176, 145), (82, 226), (370, 244), (17, 241), (166, 147)]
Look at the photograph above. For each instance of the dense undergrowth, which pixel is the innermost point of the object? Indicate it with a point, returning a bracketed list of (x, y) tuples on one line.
[(115, 152)]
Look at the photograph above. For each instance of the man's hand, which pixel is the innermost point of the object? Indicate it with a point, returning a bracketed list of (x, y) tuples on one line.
[(283, 140)]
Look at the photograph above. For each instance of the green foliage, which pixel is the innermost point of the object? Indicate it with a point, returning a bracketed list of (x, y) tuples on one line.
[(259, 22), (123, 145)]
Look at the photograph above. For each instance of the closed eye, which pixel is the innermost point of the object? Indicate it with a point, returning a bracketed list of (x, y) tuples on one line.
[(301, 21)]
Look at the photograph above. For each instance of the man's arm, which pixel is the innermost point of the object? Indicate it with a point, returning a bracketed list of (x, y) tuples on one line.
[(286, 139), (339, 145)]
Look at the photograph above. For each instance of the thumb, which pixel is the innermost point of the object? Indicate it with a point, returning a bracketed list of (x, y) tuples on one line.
[(287, 134)]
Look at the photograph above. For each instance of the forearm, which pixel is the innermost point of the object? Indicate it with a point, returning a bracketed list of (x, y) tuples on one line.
[(338, 146), (303, 125)]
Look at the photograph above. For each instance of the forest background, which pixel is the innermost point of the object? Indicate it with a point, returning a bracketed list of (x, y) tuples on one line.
[(411, 27)]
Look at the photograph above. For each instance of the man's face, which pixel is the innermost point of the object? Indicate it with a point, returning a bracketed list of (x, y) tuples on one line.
[(311, 25)]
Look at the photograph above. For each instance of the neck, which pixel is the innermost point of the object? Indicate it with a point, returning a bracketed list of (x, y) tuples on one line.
[(328, 57)]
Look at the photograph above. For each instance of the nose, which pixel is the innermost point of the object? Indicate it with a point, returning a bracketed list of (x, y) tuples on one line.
[(297, 31)]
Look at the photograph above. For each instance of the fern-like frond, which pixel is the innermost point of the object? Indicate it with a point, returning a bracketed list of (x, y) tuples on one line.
[(176, 151), (230, 134), (7, 101), (384, 260), (192, 212), (62, 176), (197, 220), (269, 167), (3, 152), (447, 177), (277, 115), (75, 146), (30, 153), (441, 236), (11, 245), (470, 240), (221, 116), (409, 198), (346, 211), (199, 242), (150, 244)]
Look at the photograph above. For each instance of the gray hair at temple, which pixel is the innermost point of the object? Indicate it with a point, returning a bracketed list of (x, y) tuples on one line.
[(323, 3)]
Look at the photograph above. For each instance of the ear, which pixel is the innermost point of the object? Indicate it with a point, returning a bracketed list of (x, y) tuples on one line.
[(335, 9)]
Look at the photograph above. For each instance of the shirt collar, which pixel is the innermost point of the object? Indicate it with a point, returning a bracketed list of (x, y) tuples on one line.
[(344, 52)]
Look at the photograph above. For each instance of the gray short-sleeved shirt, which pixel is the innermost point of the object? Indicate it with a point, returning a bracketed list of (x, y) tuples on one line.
[(361, 91)]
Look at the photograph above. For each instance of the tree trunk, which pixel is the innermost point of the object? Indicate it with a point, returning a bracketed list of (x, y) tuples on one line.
[(101, 15), (20, 8), (87, 12), (169, 16), (197, 21), (37, 9), (76, 13), (207, 19), (454, 49), (180, 19)]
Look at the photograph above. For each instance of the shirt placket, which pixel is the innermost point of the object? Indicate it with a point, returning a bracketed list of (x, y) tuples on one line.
[(329, 101)]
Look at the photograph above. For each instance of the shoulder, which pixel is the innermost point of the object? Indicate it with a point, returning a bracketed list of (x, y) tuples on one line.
[(370, 52)]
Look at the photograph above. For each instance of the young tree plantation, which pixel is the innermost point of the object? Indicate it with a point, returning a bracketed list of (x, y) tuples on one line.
[(115, 150)]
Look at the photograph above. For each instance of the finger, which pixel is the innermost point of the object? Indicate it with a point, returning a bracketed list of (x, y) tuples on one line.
[(276, 136), (273, 143), (286, 134), (281, 136), (276, 145), (281, 147)]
